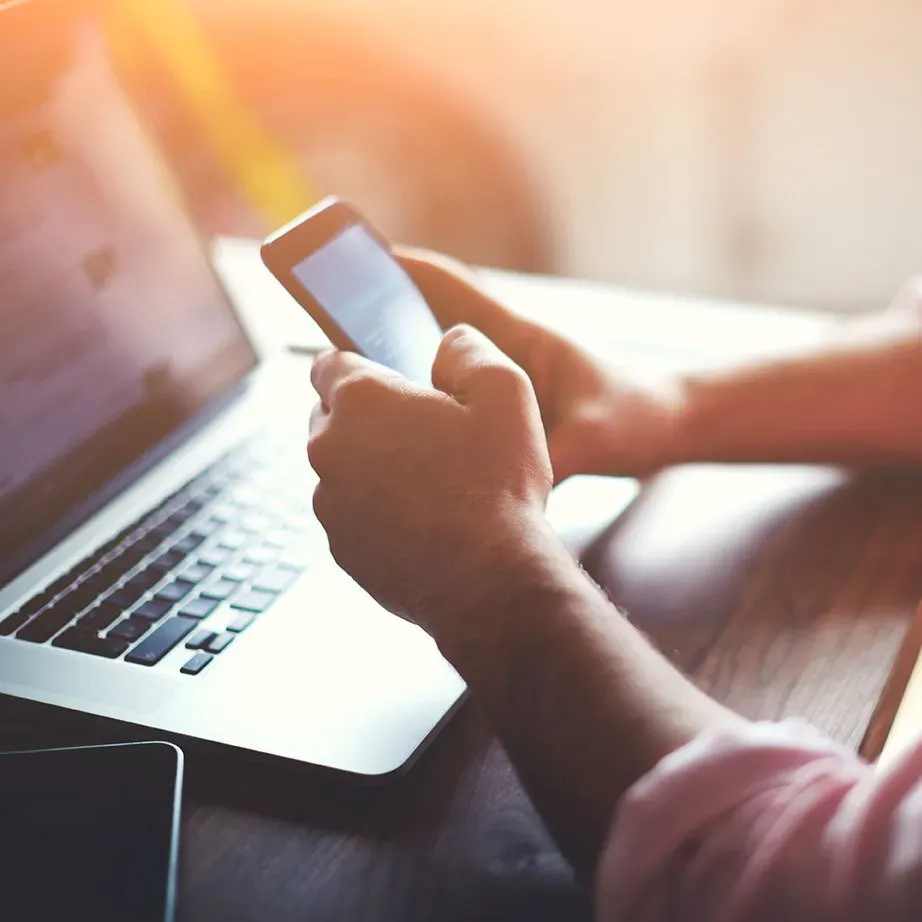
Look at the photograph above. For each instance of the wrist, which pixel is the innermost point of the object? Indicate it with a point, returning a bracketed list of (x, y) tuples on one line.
[(482, 631), (675, 437), (661, 434)]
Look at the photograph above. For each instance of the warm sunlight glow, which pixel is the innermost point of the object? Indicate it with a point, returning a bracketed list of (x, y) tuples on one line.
[(265, 175)]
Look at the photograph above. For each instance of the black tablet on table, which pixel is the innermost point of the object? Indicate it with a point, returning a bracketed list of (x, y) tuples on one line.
[(90, 833)]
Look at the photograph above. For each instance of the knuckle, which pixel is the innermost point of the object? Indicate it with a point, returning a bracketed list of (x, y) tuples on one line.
[(317, 419), (356, 390), (319, 451), (321, 504), (320, 365)]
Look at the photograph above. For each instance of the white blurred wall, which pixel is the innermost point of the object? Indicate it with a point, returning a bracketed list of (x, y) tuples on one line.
[(761, 149)]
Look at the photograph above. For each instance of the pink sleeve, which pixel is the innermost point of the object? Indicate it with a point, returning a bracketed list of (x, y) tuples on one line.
[(769, 823)]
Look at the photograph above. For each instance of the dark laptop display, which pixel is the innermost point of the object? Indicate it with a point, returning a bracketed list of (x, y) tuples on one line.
[(113, 328)]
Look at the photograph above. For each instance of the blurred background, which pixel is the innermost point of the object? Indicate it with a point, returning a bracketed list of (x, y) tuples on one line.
[(764, 150)]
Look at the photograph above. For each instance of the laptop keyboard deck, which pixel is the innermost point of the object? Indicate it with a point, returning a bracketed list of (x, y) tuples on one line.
[(198, 569)]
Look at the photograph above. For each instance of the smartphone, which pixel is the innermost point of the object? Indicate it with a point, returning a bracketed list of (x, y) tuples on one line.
[(90, 833), (341, 271)]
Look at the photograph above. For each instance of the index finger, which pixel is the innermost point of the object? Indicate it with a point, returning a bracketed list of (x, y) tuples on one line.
[(451, 291)]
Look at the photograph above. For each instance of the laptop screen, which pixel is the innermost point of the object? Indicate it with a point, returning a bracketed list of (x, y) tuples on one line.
[(113, 328)]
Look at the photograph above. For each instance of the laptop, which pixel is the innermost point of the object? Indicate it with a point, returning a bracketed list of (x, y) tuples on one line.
[(159, 560)]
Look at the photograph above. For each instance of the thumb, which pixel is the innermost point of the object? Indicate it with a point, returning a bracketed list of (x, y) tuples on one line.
[(473, 370), (451, 291)]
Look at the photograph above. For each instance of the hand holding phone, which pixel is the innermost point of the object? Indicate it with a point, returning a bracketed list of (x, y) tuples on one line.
[(341, 271)]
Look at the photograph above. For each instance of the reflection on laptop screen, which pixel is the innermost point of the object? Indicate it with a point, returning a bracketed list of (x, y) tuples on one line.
[(113, 328)]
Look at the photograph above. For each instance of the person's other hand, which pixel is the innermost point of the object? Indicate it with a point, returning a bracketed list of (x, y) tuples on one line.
[(432, 499), (598, 420)]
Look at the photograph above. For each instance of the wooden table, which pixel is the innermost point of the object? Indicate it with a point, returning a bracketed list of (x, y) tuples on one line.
[(782, 591)]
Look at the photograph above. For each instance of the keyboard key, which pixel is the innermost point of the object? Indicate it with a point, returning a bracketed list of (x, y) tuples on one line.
[(128, 594), (131, 629), (262, 554), (239, 573), (148, 577), (254, 600), (196, 664), (153, 609), (223, 513), (168, 561), (45, 625), (296, 559), (254, 524), (220, 642), (87, 642), (232, 540), (131, 557), (214, 556), (278, 538), (162, 531), (105, 573), (86, 593), (200, 639), (146, 543), (113, 570), (223, 589), (37, 602), (173, 592), (123, 598), (196, 572), (69, 578), (193, 505), (108, 573), (177, 518), (152, 649), (191, 541), (12, 623), (100, 617), (245, 496), (207, 528), (274, 579), (241, 622), (199, 608)]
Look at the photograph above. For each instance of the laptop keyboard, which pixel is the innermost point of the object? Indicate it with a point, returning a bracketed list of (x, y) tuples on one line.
[(198, 570)]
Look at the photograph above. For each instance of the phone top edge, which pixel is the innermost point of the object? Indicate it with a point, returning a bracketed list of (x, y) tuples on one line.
[(180, 755), (329, 201)]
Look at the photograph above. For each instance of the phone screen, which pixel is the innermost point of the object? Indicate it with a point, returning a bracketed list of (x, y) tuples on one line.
[(373, 300)]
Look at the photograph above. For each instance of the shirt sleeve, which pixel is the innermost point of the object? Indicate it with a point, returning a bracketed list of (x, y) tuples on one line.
[(770, 822)]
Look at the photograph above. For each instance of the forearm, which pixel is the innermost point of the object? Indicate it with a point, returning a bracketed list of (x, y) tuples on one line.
[(583, 704), (854, 401)]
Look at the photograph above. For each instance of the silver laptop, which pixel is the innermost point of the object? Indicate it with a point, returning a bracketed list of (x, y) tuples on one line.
[(159, 562)]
